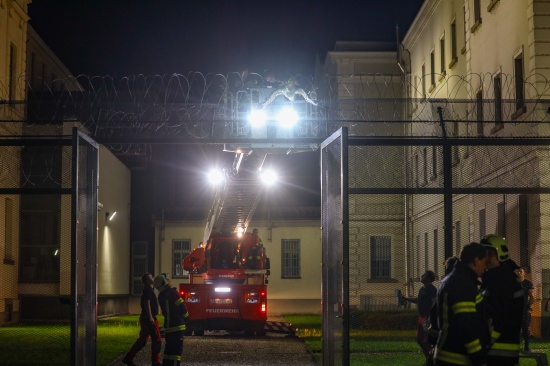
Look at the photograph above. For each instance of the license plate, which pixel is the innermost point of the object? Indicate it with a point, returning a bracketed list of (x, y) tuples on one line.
[(222, 301)]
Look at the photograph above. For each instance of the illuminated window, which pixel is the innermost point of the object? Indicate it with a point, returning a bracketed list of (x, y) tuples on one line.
[(380, 257), (180, 250), (290, 258)]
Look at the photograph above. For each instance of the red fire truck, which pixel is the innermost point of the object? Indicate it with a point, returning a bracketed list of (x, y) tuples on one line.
[(228, 275), (227, 287)]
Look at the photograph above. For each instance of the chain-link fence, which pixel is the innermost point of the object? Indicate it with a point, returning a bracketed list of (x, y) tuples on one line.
[(48, 190), (395, 207)]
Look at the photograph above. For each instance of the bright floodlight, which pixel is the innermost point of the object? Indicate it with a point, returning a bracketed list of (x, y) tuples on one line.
[(215, 177), (269, 177), (257, 117), (287, 117)]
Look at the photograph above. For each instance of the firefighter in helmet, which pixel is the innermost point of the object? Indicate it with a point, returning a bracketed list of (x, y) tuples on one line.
[(502, 290), (175, 319)]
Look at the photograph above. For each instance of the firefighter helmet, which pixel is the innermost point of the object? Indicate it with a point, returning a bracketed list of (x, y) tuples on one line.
[(499, 244), (161, 281)]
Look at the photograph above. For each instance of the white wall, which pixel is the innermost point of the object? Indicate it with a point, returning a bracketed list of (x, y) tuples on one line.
[(284, 295), (113, 236)]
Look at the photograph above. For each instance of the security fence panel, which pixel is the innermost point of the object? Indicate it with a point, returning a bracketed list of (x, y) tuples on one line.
[(414, 203), (334, 275), (84, 249), (42, 243)]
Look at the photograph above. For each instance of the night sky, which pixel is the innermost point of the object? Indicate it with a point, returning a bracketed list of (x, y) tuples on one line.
[(161, 37), (123, 37)]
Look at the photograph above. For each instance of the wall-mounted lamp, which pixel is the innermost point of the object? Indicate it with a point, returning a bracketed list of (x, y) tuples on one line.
[(110, 216)]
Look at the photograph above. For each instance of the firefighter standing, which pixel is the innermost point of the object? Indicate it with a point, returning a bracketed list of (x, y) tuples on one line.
[(502, 289), (175, 318), (463, 336)]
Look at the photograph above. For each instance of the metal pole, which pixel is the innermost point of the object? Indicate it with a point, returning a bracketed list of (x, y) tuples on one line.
[(74, 211), (345, 247), (447, 189)]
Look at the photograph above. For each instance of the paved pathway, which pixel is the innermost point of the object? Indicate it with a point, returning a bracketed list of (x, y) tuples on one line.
[(223, 348)]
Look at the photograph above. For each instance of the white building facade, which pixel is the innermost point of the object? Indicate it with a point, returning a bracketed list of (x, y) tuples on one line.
[(489, 60)]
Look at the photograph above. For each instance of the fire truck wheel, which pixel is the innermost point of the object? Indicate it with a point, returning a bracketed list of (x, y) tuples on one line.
[(199, 332), (249, 332), (260, 332)]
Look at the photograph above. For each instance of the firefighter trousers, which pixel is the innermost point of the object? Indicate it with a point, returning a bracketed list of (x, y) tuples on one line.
[(173, 348)]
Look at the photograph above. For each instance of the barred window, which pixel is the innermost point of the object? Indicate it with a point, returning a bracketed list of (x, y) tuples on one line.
[(380, 254), (454, 47), (139, 266), (39, 247), (290, 258), (519, 81), (181, 249)]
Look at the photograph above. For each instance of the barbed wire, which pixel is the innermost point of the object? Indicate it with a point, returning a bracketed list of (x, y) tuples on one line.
[(196, 105), (127, 111)]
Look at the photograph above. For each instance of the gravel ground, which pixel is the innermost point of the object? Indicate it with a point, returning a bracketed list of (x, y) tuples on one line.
[(223, 348)]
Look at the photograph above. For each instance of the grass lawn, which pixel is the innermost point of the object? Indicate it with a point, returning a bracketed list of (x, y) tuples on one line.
[(49, 344), (377, 348)]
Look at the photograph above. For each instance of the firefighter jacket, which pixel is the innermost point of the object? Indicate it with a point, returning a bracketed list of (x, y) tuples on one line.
[(174, 310), (505, 300), (463, 331)]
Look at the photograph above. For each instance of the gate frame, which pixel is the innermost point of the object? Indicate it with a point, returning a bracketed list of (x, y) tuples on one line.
[(447, 143), (84, 350)]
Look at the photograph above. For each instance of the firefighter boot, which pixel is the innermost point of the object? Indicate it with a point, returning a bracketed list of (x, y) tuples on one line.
[(168, 362)]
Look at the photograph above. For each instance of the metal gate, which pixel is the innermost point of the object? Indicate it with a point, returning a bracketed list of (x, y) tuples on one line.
[(53, 180), (395, 206)]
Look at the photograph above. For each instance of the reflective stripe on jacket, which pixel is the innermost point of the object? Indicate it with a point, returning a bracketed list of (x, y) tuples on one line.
[(463, 329), (174, 310)]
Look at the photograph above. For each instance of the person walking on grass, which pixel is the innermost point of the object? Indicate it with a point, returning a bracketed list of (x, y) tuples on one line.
[(425, 300), (149, 326)]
